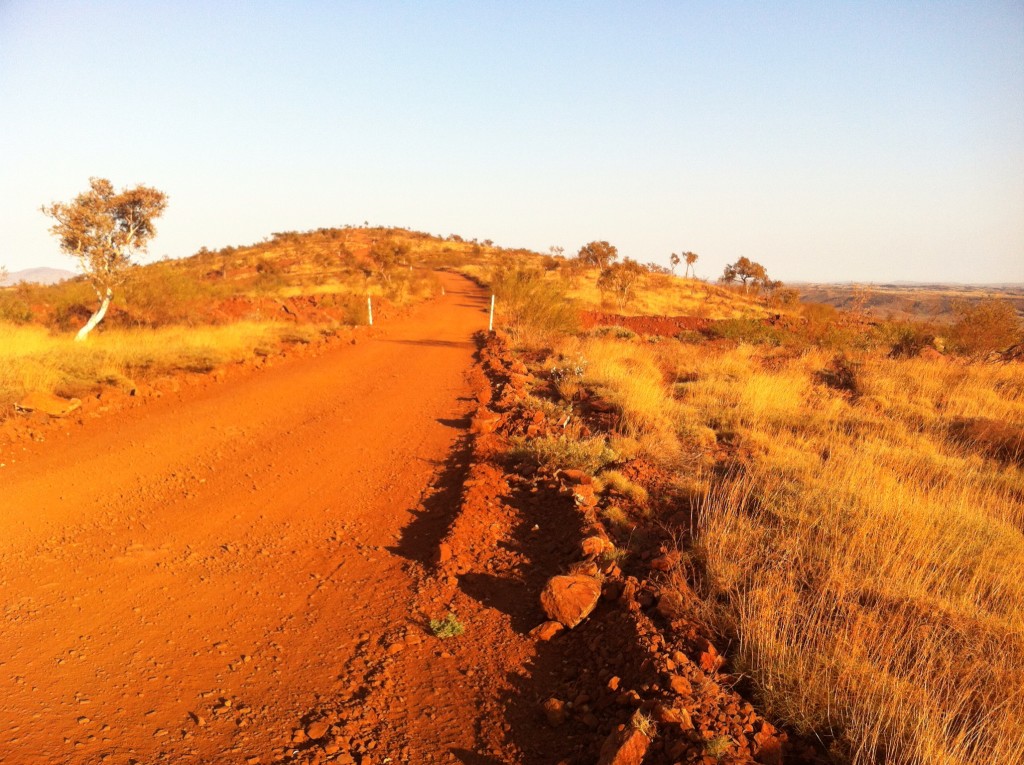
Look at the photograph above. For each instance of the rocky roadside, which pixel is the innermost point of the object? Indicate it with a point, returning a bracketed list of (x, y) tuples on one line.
[(637, 669), (573, 653)]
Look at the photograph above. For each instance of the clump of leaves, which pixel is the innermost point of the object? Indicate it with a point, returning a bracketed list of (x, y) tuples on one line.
[(448, 627), (750, 331), (717, 747), (907, 338), (615, 555), (568, 376), (564, 451), (986, 326), (643, 723), (617, 517), (616, 480), (529, 303)]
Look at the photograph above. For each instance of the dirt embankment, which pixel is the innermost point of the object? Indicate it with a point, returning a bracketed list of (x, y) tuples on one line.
[(249, 572), (637, 676)]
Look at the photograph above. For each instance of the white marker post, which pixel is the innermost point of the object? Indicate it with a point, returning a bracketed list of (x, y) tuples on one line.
[(490, 324), (369, 309)]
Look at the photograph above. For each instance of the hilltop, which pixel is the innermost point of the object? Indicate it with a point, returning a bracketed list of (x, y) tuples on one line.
[(37, 276)]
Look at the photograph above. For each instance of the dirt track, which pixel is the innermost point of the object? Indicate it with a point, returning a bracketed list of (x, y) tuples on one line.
[(241, 543)]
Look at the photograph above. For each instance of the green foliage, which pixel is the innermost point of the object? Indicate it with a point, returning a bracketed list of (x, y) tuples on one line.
[(613, 330), (14, 308), (842, 374), (565, 452), (985, 326), (600, 254), (643, 723), (353, 307), (387, 255), (747, 272), (616, 480), (170, 293), (270, 275), (619, 280), (448, 627), (784, 297), (529, 303), (717, 746), (906, 338), (751, 331)]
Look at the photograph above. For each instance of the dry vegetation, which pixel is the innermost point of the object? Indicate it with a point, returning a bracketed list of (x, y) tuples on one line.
[(858, 513), (213, 308), (34, 359), (858, 507)]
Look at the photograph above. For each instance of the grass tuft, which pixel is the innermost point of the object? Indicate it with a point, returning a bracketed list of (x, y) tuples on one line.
[(448, 627)]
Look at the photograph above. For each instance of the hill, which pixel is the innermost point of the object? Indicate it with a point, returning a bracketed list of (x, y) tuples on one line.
[(37, 276)]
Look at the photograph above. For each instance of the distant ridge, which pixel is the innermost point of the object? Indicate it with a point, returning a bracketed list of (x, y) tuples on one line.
[(902, 284), (37, 276)]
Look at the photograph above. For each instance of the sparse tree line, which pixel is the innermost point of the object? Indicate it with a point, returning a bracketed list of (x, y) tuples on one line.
[(105, 230), (619, 278)]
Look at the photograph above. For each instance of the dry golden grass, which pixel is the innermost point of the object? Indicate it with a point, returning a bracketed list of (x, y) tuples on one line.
[(33, 359), (868, 565), (666, 295), (865, 553)]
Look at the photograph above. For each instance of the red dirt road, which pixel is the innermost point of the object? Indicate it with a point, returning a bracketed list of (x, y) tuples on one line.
[(182, 581)]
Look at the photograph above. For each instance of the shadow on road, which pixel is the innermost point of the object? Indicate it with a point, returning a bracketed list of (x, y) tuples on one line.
[(467, 757), (440, 505)]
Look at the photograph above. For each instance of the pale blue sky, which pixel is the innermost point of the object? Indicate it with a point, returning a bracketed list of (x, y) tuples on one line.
[(829, 141)]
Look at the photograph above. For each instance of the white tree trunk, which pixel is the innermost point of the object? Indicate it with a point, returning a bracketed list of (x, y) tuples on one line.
[(96, 318)]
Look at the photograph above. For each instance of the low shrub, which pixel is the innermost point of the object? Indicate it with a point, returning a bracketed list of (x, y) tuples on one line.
[(564, 451), (985, 326), (448, 627), (841, 374), (529, 306), (751, 331), (907, 339)]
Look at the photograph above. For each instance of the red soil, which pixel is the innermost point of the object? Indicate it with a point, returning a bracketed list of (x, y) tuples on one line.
[(243, 569), (238, 543)]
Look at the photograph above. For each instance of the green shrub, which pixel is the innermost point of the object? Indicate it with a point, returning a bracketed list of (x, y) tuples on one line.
[(842, 374), (528, 303), (14, 308), (554, 452), (448, 627), (985, 326), (751, 331), (906, 338)]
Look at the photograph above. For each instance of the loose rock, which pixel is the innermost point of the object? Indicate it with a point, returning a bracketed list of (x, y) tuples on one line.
[(570, 599), (624, 746), (554, 710), (317, 730), (546, 630)]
